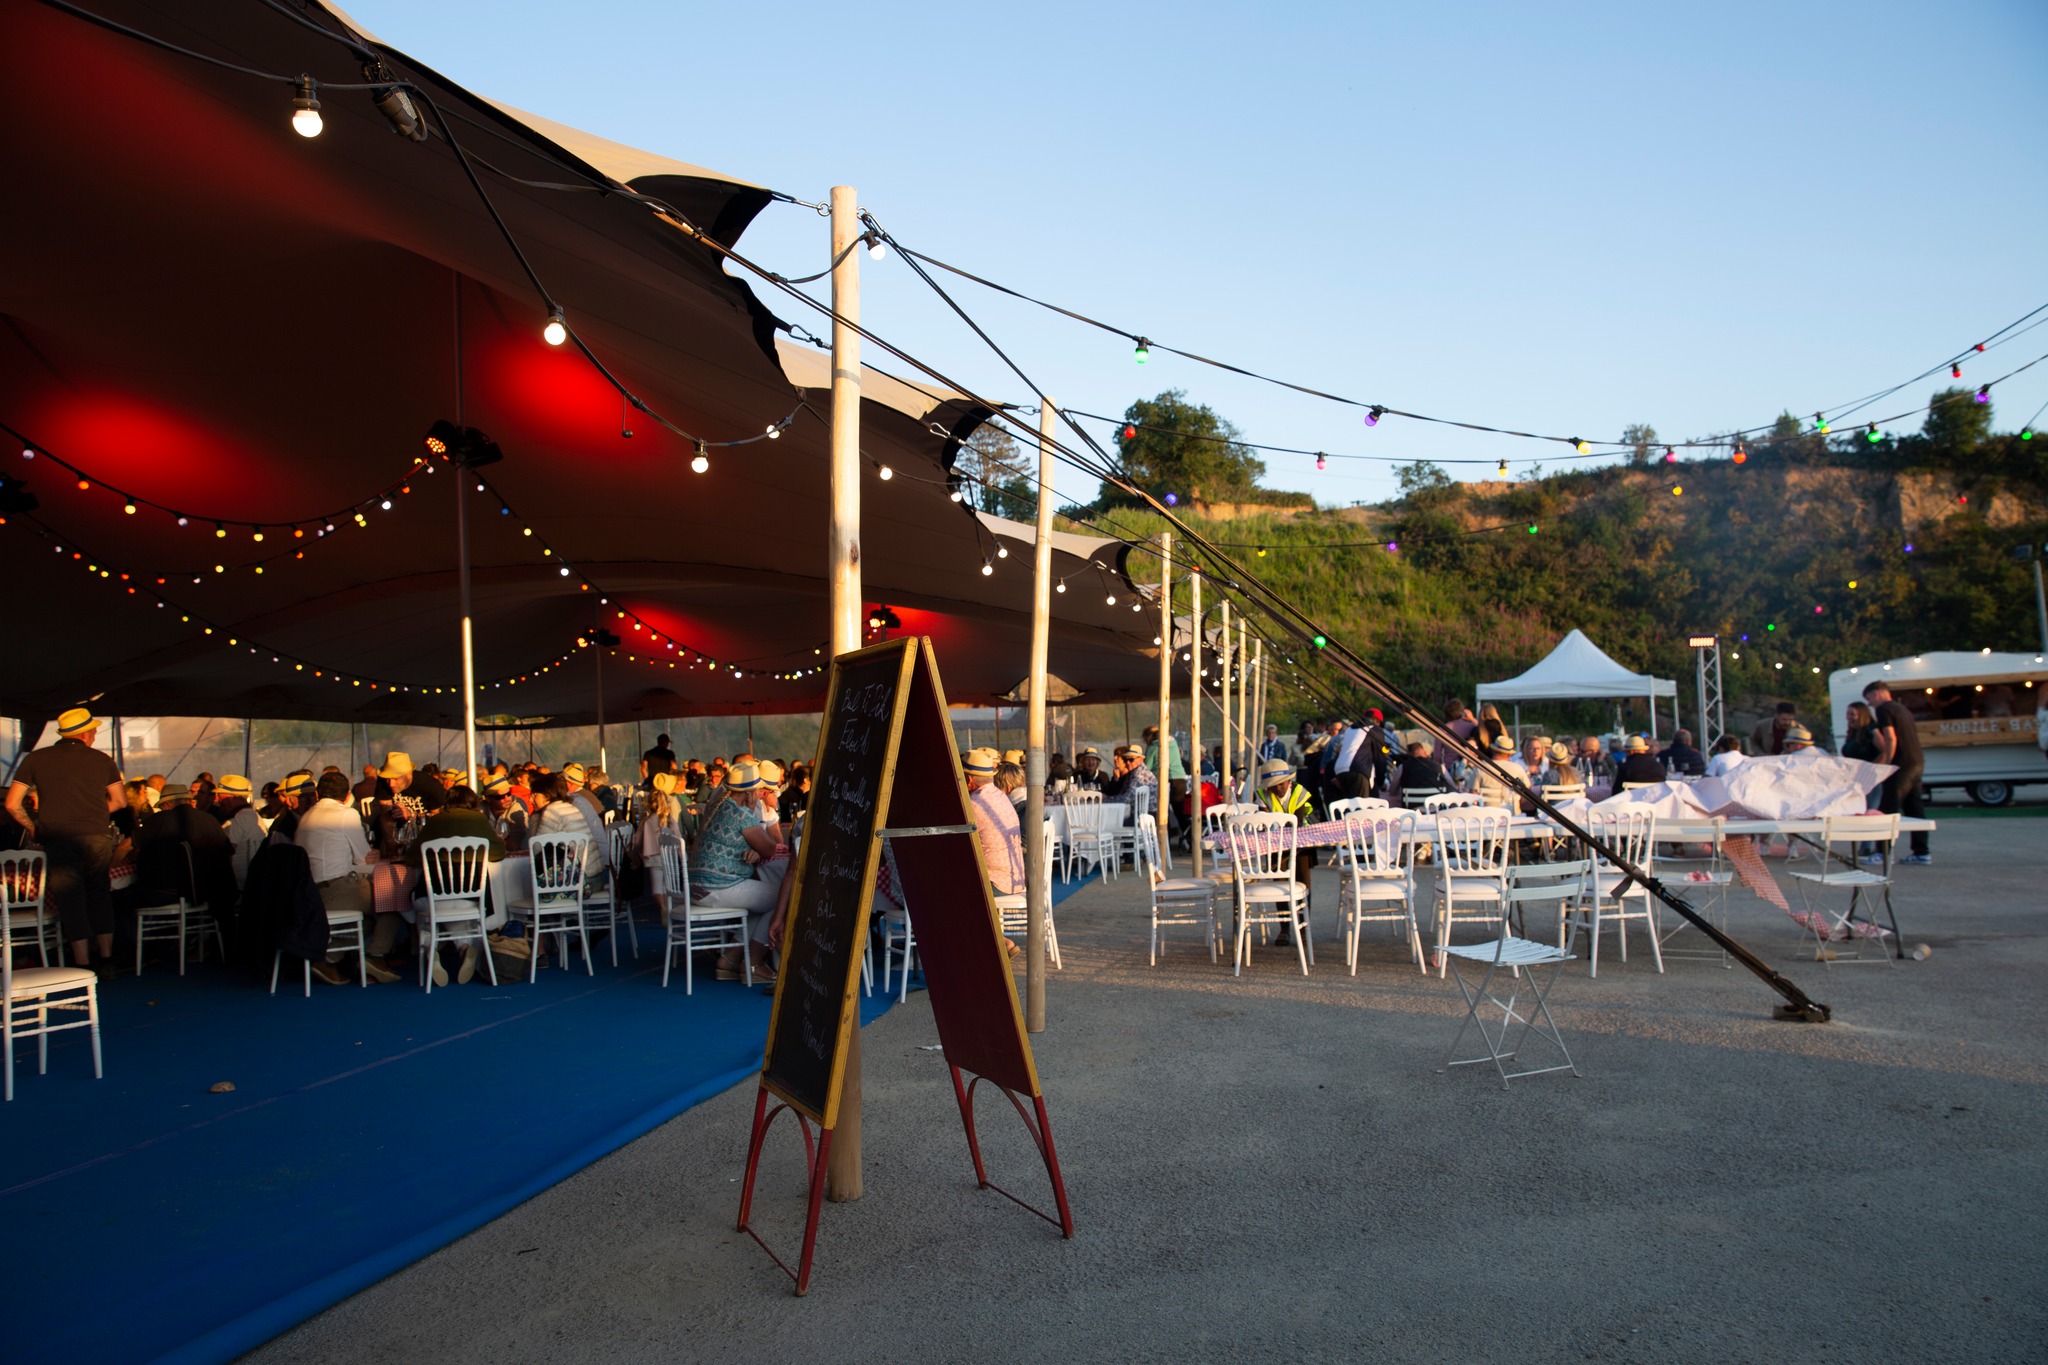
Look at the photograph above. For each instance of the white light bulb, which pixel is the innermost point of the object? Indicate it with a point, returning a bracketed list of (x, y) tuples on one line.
[(699, 464), (306, 108), (877, 248), (987, 569), (1002, 552), (1061, 587), (557, 330), (887, 473), (1111, 599)]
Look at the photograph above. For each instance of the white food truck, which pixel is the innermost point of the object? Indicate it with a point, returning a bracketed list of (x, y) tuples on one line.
[(1976, 714)]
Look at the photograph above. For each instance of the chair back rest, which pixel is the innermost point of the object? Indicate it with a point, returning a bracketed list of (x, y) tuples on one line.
[(24, 874), (1637, 786), (1141, 805), (1564, 792), (1340, 810), (1048, 841), (1381, 840), (1085, 817), (675, 873), (1443, 801), (1628, 828), (1083, 796), (1215, 819), (621, 842), (1540, 883), (1851, 829), (1262, 846), (456, 868), (558, 866), (1472, 841)]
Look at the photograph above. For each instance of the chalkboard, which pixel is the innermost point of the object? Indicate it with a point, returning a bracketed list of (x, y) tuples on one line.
[(835, 878)]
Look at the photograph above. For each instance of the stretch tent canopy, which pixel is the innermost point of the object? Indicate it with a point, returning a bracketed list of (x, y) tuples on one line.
[(1576, 670), (213, 316)]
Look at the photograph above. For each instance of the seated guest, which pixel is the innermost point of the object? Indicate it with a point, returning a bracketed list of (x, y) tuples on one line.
[(1596, 769), (1681, 757), (1279, 793), (1558, 768), (555, 811), (1088, 774), (428, 788), (1798, 738), (1501, 750), (1727, 755), (1057, 769), (598, 783), (1769, 735), (1131, 771), (508, 817), (367, 788), (796, 795), (331, 832), (461, 817), (1010, 782), (996, 827), (244, 828), (730, 845), (663, 820), (1639, 766), (519, 788), (160, 856), (1417, 771), (295, 796)]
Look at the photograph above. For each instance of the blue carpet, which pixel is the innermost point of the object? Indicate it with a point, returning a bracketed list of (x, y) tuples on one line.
[(151, 1219)]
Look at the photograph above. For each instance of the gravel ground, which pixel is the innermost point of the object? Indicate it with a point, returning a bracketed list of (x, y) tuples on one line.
[(1271, 1168)]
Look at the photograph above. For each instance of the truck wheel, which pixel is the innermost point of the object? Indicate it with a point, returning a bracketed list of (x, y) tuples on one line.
[(1991, 793)]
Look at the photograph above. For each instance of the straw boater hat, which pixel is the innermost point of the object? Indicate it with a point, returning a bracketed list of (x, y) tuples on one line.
[(573, 773), (770, 771), (396, 765), (1132, 751), (1503, 745), (981, 762), (498, 786), (1274, 771), (665, 783), (1637, 745), (1090, 752), (743, 777), (76, 721), (298, 782), (1559, 752), (1015, 756), (234, 784), (1799, 736)]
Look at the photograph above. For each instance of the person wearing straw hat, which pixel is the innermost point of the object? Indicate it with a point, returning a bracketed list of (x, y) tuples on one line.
[(296, 794), (244, 827), (1501, 749), (1798, 738), (729, 848), (1282, 795), (508, 817), (995, 823), (77, 790), (1087, 774), (1639, 765)]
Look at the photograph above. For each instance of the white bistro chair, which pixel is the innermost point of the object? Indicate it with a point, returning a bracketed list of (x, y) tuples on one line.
[(181, 920), (455, 873), (1630, 830), (1866, 885), (1472, 871), (33, 994), (24, 886), (1085, 838), (1377, 876), (1015, 908), (1262, 849), (691, 928), (1177, 901), (344, 930), (558, 906)]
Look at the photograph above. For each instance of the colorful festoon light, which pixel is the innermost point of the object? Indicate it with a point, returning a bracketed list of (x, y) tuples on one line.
[(1144, 351), (1373, 415)]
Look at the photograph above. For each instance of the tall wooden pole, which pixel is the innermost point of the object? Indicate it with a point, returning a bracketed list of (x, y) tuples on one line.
[(1165, 680), (1193, 758), (1246, 744), (1223, 768), (462, 478), (1036, 894), (843, 1170)]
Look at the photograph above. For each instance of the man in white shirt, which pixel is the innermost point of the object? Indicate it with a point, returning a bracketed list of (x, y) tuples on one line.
[(332, 835), (1727, 755), (1492, 789), (1348, 742)]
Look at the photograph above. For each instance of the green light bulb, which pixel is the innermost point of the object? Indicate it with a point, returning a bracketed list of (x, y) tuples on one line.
[(1321, 640)]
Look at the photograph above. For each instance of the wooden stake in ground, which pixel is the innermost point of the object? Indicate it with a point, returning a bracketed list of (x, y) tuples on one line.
[(843, 1173)]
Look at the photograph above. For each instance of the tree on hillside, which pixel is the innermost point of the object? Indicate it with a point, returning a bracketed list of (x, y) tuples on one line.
[(1174, 446), (1957, 426), (997, 480), (1639, 437)]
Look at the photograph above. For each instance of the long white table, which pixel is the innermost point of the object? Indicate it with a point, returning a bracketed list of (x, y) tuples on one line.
[(1115, 815)]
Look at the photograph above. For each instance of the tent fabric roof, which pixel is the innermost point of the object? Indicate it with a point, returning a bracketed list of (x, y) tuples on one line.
[(212, 314), (1577, 669)]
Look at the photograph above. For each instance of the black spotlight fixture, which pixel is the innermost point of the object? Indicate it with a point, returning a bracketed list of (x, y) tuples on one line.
[(15, 499), (467, 446)]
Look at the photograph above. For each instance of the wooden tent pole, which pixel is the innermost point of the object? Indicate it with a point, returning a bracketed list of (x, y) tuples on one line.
[(1223, 708), (843, 1170), (1037, 891), (1192, 759), (1165, 679), (461, 569)]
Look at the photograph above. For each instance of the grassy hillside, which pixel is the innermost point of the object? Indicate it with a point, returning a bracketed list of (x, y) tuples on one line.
[(1802, 548)]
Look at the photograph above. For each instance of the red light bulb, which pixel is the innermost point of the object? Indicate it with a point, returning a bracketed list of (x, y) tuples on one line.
[(1955, 372)]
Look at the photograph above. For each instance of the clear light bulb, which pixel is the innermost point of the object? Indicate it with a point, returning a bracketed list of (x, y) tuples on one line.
[(306, 108), (557, 329), (886, 473)]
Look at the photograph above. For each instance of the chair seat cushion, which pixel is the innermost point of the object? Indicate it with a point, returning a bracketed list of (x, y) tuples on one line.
[(1274, 891), (1013, 901), (37, 980), (1184, 886)]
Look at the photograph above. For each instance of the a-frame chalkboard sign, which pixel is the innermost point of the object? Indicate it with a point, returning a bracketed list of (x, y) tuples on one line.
[(887, 769)]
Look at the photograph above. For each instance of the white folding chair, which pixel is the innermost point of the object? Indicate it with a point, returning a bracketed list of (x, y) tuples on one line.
[(1630, 830), (1514, 955), (455, 872), (31, 995), (1559, 886), (1015, 908), (693, 928), (1866, 885), (1124, 839), (1177, 901), (1085, 840), (181, 921), (1378, 876), (1705, 878), (1472, 871), (1262, 849), (347, 927), (608, 907), (556, 861), (24, 878)]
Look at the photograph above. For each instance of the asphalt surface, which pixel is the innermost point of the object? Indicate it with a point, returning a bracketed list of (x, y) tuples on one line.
[(1271, 1168)]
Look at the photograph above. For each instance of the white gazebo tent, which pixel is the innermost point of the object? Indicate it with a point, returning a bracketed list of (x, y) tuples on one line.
[(1579, 670)]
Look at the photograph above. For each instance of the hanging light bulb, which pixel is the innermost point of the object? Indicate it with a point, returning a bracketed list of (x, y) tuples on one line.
[(700, 461), (886, 473), (1670, 455), (1373, 415), (1820, 424), (557, 329), (1060, 586), (1262, 552), (1872, 434), (220, 531), (953, 494), (987, 568), (306, 107), (129, 508), (1503, 469), (1955, 371), (1130, 432), (1984, 394), (1002, 552), (1322, 461), (2026, 433), (775, 431), (877, 248), (1144, 351), (1741, 455), (1111, 599), (257, 534), (1583, 447), (1678, 490)]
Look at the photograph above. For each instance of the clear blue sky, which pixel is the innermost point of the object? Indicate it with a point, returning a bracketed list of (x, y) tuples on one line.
[(1558, 218)]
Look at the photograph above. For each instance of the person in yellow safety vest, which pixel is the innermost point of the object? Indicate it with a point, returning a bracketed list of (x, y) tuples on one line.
[(1279, 793)]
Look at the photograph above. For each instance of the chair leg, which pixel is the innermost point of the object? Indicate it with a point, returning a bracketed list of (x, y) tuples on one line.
[(306, 968), (583, 937), (276, 962), (483, 945), (92, 1017)]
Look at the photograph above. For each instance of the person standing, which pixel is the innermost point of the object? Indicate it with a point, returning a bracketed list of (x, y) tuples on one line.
[(660, 759), (1898, 743), (77, 789), (1274, 747)]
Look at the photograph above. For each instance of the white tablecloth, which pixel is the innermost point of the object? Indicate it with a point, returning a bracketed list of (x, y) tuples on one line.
[(1115, 815)]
